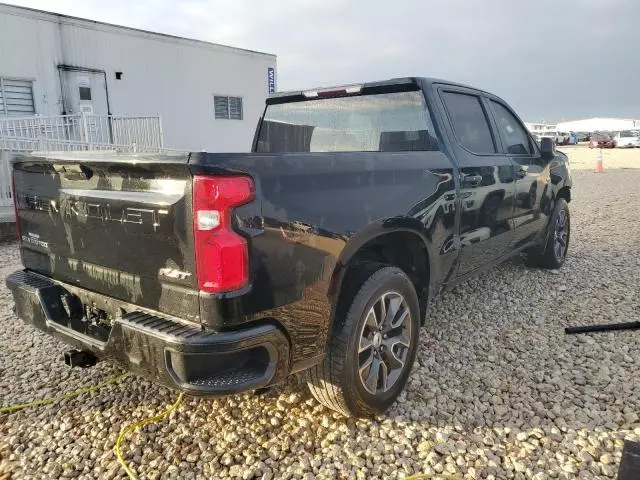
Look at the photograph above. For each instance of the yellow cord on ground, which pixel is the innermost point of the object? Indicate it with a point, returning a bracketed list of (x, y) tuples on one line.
[(46, 401), (424, 476), (141, 423)]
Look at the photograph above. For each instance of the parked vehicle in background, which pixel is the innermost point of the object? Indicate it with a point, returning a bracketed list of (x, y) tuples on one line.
[(217, 273), (627, 139), (559, 138), (573, 138), (583, 136), (601, 140), (552, 135), (563, 138)]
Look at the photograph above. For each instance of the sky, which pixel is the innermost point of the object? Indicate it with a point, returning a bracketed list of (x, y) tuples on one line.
[(552, 60)]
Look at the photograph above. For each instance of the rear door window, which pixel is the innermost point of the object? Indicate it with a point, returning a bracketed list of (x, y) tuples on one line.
[(514, 136), (469, 122), (385, 122)]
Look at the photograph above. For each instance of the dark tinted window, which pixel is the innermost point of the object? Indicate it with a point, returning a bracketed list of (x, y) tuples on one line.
[(85, 93), (387, 122), (469, 121), (514, 136)]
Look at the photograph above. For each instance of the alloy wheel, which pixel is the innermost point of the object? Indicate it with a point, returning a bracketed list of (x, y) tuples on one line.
[(384, 342), (561, 235)]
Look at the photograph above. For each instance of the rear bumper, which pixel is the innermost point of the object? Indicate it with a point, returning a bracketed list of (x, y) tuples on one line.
[(177, 354)]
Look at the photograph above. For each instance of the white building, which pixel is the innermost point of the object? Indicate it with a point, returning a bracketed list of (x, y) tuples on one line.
[(541, 128), (599, 124), (208, 96)]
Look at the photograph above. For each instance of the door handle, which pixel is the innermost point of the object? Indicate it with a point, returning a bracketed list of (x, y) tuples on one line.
[(520, 174), (469, 180)]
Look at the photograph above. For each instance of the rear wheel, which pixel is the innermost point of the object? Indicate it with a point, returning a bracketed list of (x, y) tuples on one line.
[(371, 351), (554, 252)]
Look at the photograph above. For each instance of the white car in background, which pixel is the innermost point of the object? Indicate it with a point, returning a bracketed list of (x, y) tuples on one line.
[(627, 139), (563, 138), (551, 135), (559, 138)]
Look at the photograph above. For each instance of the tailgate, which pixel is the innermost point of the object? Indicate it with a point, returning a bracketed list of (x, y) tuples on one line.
[(113, 223)]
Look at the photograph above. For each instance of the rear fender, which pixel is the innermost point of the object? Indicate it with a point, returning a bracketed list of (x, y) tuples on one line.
[(365, 237), (379, 228)]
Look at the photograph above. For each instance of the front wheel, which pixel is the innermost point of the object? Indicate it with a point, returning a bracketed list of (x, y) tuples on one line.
[(371, 350), (554, 252)]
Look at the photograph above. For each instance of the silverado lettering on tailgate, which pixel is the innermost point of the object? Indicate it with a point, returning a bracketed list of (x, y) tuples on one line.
[(104, 212)]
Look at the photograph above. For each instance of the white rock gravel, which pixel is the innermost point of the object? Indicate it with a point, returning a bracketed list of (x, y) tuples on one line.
[(498, 390)]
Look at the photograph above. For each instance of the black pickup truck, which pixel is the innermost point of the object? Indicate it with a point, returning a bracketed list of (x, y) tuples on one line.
[(219, 273)]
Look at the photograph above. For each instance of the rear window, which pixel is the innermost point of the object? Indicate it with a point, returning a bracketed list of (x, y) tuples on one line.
[(386, 122)]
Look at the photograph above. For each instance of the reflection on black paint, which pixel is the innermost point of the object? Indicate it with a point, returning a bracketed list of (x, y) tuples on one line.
[(487, 205), (312, 205)]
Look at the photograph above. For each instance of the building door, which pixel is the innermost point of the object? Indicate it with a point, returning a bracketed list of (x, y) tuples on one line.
[(84, 92), (487, 183)]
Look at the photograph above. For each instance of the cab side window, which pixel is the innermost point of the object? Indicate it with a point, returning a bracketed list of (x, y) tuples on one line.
[(469, 122), (514, 136)]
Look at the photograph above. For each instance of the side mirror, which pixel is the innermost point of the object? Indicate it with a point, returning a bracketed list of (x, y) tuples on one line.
[(547, 148)]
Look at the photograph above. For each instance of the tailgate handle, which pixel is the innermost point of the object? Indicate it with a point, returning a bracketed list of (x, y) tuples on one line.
[(73, 172)]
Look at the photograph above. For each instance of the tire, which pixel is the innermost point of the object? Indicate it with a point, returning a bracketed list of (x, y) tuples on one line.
[(337, 381), (553, 254)]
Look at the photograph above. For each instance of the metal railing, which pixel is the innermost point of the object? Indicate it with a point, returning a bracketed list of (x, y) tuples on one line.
[(78, 132), (6, 200), (81, 132), (21, 145)]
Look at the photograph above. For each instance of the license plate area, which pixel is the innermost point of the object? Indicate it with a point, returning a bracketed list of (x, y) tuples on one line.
[(68, 310)]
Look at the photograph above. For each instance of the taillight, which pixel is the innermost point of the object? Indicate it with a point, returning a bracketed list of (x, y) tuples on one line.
[(15, 205), (222, 256)]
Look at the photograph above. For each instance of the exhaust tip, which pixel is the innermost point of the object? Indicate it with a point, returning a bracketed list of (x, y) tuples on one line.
[(79, 358)]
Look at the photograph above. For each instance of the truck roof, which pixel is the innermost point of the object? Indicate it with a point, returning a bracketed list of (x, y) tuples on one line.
[(382, 84)]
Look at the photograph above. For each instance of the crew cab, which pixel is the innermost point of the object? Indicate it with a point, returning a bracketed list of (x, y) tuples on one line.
[(217, 273)]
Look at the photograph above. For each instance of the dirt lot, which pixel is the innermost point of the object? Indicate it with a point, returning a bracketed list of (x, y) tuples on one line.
[(498, 390), (584, 158)]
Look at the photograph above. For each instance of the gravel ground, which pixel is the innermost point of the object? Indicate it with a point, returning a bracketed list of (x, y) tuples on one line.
[(498, 390)]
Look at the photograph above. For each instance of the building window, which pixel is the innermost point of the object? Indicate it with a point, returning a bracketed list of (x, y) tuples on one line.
[(227, 108), (16, 97), (85, 93)]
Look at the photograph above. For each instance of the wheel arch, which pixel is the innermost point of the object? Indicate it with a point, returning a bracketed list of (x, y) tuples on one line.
[(402, 245), (564, 192)]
